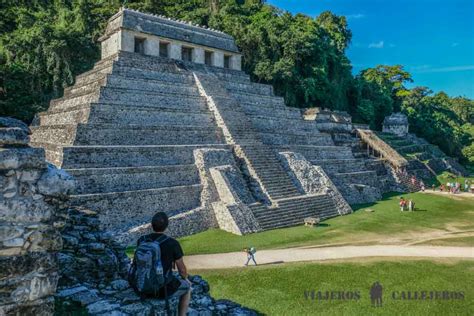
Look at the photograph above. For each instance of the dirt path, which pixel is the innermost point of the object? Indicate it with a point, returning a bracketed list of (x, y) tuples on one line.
[(275, 256)]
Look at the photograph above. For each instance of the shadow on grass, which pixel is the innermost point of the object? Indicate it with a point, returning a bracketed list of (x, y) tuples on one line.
[(271, 263), (385, 197)]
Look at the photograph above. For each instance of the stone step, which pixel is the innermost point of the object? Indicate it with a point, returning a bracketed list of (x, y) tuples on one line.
[(275, 113), (341, 165), (111, 134), (99, 71), (250, 87), (319, 152), (233, 76), (152, 85), (109, 113), (285, 189), (106, 180), (271, 124), (115, 80), (130, 156), (77, 100), (279, 139), (361, 177), (121, 211), (270, 102), (293, 211), (150, 74), (85, 87), (74, 115), (148, 98)]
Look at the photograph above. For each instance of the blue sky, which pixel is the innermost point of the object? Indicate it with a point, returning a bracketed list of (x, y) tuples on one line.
[(433, 39)]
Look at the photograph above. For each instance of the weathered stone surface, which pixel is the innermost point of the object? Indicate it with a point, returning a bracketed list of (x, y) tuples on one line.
[(396, 123), (28, 239), (11, 122), (22, 158), (13, 136), (55, 182), (93, 282)]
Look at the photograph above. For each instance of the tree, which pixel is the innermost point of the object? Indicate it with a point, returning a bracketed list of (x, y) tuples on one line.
[(336, 30)]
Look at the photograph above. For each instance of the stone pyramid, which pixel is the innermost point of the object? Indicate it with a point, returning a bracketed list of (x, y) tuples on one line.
[(167, 121)]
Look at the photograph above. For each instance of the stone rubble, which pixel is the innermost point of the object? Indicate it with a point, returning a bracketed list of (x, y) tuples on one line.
[(93, 269), (31, 192)]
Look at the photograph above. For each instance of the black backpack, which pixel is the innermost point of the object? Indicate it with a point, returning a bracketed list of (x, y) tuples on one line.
[(146, 275)]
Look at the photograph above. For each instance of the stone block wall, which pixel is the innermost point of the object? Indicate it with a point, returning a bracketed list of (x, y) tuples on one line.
[(313, 179), (31, 192), (232, 214)]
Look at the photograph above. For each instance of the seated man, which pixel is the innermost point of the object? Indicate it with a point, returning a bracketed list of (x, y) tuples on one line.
[(171, 257)]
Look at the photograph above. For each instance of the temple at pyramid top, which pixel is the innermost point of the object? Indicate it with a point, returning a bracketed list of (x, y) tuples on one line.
[(152, 35)]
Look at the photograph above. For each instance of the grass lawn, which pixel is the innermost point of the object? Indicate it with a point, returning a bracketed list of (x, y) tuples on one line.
[(280, 290), (386, 224), (446, 177), (453, 241)]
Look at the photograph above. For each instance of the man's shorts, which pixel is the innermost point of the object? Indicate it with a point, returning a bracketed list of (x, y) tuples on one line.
[(182, 289)]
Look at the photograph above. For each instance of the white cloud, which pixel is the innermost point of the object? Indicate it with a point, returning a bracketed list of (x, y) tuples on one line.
[(376, 45), (420, 67), (429, 69), (355, 16)]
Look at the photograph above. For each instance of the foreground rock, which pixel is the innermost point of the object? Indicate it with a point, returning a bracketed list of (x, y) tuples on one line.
[(93, 269), (29, 240)]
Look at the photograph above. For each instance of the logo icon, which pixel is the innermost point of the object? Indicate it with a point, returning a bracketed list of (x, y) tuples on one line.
[(376, 294)]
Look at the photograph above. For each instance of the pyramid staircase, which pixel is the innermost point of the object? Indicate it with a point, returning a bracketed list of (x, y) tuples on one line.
[(289, 206), (283, 128)]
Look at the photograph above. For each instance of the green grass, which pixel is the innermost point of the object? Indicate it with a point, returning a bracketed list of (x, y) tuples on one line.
[(452, 241), (280, 290), (446, 177), (385, 223)]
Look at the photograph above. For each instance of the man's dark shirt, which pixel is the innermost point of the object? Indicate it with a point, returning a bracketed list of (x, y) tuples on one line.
[(170, 252)]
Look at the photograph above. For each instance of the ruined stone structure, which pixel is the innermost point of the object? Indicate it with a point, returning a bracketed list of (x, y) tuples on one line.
[(30, 194), (145, 131), (396, 123)]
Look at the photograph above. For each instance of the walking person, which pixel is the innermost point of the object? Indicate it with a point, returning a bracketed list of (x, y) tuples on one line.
[(250, 255), (402, 203), (422, 185), (411, 205)]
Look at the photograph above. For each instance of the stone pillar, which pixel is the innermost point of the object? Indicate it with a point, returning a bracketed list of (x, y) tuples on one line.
[(236, 62), (127, 42), (218, 59), (152, 46), (198, 55), (175, 50), (31, 193)]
